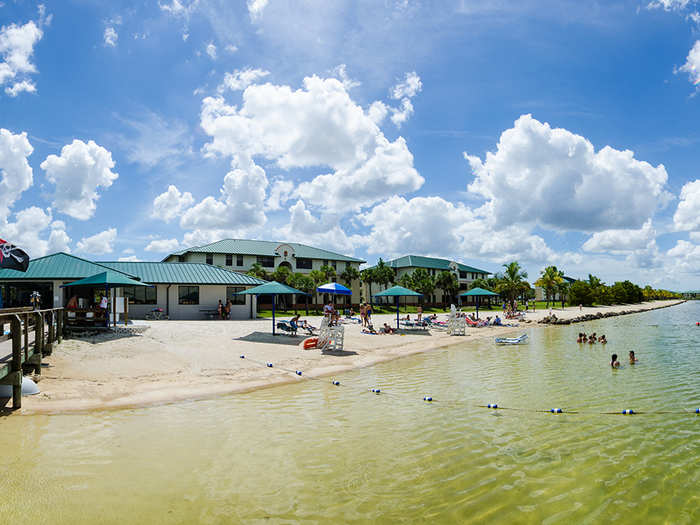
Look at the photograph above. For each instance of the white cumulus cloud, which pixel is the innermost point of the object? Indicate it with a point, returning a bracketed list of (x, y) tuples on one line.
[(617, 241), (240, 79), (256, 8), (163, 245), (29, 230), (16, 50), (239, 206), (409, 88), (14, 168), (555, 178), (669, 5), (110, 37), (211, 50), (171, 204), (99, 243), (687, 216), (78, 172), (692, 64), (317, 126)]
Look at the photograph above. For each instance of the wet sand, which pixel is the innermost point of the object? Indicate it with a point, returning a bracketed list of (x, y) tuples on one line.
[(184, 360)]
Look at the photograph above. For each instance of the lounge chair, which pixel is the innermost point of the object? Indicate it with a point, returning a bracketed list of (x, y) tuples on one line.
[(288, 327)]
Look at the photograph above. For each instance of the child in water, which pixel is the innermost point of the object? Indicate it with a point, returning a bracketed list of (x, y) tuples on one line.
[(633, 359), (614, 362), (580, 338), (602, 339)]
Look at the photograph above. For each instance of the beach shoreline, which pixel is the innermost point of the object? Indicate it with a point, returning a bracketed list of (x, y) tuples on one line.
[(178, 361)]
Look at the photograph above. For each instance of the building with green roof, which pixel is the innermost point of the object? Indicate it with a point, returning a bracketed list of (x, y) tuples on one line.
[(183, 291), (242, 254), (408, 264)]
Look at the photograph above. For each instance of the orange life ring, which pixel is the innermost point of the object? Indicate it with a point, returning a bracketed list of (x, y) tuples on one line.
[(311, 342)]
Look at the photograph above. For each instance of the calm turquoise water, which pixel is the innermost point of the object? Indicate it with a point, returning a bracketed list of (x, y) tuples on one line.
[(315, 453)]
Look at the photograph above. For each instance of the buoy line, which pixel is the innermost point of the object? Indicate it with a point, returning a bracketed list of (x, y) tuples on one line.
[(494, 406)]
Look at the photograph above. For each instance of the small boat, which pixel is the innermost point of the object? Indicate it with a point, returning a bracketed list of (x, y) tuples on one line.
[(521, 339)]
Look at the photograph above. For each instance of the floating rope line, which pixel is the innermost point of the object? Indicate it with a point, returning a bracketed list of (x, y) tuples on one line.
[(428, 399)]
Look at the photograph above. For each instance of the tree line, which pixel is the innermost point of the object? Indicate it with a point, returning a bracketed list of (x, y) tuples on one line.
[(511, 284)]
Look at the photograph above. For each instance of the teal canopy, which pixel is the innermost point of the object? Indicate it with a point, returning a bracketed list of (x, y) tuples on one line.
[(477, 292), (398, 291), (272, 288), (107, 278)]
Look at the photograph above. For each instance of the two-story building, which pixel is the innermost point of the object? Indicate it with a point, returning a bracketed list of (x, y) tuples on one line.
[(241, 254), (407, 264)]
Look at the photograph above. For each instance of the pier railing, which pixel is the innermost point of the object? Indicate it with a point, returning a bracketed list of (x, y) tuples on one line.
[(32, 335)]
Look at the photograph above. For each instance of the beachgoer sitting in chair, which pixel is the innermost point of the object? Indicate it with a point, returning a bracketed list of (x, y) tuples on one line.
[(497, 321)]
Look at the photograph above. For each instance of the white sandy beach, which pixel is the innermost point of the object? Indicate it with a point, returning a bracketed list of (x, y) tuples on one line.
[(181, 360)]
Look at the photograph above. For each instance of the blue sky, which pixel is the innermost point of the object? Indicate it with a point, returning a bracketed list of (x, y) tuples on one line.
[(548, 132)]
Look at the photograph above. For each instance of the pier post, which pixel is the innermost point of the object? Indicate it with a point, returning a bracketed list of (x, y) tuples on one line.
[(59, 322), (48, 345), (16, 367), (25, 319)]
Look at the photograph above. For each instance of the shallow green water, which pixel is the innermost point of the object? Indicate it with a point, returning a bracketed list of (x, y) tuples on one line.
[(317, 453)]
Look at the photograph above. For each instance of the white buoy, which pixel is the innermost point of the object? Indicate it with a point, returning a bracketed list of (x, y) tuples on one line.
[(29, 388)]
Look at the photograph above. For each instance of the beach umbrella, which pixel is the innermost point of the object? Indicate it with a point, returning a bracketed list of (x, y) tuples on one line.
[(398, 291), (478, 292), (274, 289), (107, 278), (334, 289)]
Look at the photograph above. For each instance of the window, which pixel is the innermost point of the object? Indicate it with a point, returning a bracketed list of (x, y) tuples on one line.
[(325, 262), (180, 258), (266, 261), (462, 286), (239, 260), (462, 274), (188, 294), (140, 294), (304, 264), (231, 294), (473, 275), (210, 258), (334, 264)]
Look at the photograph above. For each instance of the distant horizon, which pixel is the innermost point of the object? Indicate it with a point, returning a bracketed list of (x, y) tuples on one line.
[(544, 132)]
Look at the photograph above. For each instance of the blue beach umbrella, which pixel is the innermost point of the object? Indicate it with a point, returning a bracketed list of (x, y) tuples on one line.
[(334, 288)]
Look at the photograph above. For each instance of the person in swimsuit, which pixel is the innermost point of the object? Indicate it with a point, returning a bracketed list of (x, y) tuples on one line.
[(614, 363), (633, 359)]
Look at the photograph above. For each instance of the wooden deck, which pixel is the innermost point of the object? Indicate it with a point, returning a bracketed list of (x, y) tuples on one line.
[(32, 336)]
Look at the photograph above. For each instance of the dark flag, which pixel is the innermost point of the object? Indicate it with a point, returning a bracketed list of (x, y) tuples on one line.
[(12, 257)]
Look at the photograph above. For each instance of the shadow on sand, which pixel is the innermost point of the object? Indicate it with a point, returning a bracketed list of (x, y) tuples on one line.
[(266, 337)]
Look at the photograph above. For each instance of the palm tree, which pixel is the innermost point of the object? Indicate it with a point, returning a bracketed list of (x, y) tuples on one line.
[(256, 270), (448, 283), (550, 280), (367, 276), (317, 277), (349, 275), (512, 283)]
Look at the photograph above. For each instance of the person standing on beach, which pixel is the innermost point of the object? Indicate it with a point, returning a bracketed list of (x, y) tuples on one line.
[(220, 310), (419, 310), (363, 314), (228, 308)]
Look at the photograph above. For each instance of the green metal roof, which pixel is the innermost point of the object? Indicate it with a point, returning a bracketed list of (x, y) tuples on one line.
[(107, 278), (56, 266), (397, 291), (252, 247), (182, 273), (433, 263)]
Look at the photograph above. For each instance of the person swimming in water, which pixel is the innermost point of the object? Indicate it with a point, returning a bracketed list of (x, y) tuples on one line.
[(580, 338), (633, 359), (614, 362), (602, 339)]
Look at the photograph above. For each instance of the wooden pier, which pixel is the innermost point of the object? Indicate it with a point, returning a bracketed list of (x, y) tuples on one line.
[(32, 335)]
